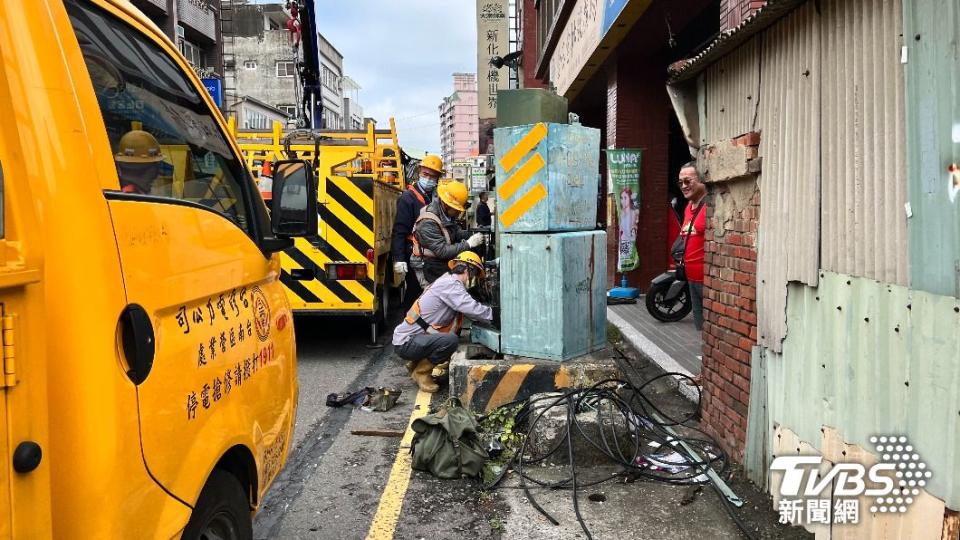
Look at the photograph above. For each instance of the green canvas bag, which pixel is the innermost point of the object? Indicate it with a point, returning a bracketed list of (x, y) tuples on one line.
[(446, 444)]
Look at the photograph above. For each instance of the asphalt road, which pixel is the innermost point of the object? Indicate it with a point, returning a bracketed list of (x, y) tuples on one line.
[(334, 481)]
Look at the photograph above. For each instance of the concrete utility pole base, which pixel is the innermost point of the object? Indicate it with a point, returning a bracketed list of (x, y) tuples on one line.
[(484, 383)]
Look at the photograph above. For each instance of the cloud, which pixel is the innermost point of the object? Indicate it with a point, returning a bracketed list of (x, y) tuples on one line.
[(403, 53)]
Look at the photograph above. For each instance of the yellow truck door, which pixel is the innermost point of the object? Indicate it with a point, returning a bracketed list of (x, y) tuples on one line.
[(24, 476), (206, 321)]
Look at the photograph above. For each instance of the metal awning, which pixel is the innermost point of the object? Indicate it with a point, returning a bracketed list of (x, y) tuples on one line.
[(729, 40)]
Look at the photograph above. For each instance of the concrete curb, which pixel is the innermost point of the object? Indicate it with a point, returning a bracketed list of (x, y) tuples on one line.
[(653, 353), (484, 384)]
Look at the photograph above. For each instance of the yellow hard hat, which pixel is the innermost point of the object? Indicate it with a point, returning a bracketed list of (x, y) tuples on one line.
[(432, 162), (469, 258), (138, 146), (453, 194)]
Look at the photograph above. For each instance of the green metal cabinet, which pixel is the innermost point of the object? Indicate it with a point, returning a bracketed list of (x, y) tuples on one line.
[(552, 292)]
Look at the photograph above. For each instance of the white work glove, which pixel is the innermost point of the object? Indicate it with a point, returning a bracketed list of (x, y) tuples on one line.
[(475, 240), (400, 267)]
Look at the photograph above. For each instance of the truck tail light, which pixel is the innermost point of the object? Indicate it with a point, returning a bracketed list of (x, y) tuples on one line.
[(370, 255), (347, 271)]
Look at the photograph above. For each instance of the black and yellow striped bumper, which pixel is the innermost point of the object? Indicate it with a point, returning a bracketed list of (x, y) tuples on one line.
[(484, 385)]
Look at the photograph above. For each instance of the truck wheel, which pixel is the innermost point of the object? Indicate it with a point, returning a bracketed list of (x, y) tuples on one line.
[(222, 512)]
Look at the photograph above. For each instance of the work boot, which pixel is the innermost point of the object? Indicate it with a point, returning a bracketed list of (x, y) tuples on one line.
[(421, 376), (440, 370)]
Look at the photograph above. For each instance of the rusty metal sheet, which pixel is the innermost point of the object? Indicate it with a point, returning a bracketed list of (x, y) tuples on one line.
[(864, 226), (870, 358), (789, 235), (924, 520), (933, 143), (732, 88)]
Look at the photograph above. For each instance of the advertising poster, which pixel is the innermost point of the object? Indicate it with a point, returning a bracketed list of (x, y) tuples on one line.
[(623, 170)]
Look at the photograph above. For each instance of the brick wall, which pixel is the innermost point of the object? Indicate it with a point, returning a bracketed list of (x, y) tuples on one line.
[(730, 311), (638, 116), (530, 45), (733, 12)]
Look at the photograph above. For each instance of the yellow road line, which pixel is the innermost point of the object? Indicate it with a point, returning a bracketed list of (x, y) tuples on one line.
[(524, 203), (520, 177), (388, 512), (526, 143)]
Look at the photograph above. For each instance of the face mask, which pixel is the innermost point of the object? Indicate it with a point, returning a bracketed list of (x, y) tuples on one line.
[(427, 184)]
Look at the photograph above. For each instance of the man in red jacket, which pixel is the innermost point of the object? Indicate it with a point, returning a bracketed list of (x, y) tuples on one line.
[(693, 229)]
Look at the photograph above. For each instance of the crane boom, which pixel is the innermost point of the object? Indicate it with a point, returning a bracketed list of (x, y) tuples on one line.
[(311, 109)]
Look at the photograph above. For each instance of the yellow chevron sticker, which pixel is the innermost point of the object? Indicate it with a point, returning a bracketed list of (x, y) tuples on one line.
[(527, 143), (524, 203), (520, 177)]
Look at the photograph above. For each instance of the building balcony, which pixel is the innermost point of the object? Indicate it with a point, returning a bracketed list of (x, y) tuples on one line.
[(199, 16)]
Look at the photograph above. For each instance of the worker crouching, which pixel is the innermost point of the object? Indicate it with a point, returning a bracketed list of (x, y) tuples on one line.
[(429, 334)]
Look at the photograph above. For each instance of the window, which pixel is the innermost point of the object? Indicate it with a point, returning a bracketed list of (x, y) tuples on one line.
[(286, 69), (331, 119), (330, 79), (192, 53), (250, 64), (151, 110), (289, 109)]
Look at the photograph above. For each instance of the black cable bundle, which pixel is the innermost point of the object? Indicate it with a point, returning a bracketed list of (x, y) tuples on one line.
[(644, 423)]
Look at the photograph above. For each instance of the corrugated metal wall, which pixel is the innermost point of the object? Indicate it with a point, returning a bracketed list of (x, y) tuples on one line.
[(870, 358), (789, 234), (933, 143), (732, 95), (864, 167), (831, 113)]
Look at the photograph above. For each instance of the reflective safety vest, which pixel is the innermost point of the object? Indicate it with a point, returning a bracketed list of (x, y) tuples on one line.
[(414, 317), (423, 201), (417, 194), (420, 251)]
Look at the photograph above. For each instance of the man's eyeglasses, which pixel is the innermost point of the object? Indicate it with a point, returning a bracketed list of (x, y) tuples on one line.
[(685, 182)]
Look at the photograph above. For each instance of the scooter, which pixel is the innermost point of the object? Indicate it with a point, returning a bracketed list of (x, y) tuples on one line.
[(668, 298)]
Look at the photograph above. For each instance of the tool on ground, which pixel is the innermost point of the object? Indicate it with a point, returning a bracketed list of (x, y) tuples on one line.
[(379, 399)]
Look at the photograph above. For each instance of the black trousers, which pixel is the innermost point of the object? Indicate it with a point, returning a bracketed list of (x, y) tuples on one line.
[(413, 289), (438, 348), (433, 269), (696, 299)]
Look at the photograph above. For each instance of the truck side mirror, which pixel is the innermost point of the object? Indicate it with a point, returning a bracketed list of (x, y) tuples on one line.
[(294, 208)]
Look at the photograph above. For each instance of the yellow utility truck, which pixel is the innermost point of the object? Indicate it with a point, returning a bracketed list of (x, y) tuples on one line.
[(345, 268), (149, 374)]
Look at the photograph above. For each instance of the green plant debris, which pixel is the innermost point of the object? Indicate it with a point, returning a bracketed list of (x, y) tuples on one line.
[(500, 425), (613, 334)]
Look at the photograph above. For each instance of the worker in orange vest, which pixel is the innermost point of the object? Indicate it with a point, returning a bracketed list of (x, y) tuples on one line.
[(429, 334), (413, 199), (437, 236)]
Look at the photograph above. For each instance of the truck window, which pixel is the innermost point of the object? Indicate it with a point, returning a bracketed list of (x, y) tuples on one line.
[(165, 141)]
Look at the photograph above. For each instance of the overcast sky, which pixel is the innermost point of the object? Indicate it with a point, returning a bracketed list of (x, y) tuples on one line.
[(403, 53)]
